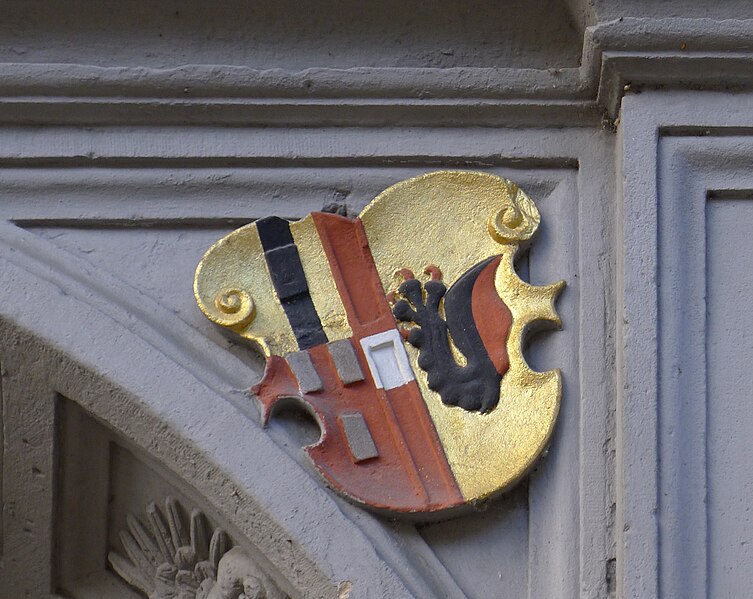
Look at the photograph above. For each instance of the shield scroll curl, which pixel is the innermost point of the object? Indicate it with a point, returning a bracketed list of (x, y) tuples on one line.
[(401, 330)]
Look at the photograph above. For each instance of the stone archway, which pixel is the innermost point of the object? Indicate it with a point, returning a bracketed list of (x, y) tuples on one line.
[(93, 410)]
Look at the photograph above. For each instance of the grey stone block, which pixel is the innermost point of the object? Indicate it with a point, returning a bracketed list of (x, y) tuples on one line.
[(346, 361), (303, 369), (359, 438)]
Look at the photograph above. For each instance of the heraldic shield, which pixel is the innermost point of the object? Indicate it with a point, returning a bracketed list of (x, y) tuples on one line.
[(401, 331)]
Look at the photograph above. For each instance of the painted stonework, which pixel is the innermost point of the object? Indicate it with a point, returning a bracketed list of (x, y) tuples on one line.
[(425, 401)]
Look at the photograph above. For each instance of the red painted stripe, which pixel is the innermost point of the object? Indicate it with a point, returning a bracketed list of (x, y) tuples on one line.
[(492, 316), (403, 411), (355, 274), (424, 446)]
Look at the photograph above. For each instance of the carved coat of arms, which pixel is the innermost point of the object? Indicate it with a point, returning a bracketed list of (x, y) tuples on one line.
[(401, 330)]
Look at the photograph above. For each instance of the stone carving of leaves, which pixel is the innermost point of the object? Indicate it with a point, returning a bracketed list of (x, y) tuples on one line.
[(167, 560)]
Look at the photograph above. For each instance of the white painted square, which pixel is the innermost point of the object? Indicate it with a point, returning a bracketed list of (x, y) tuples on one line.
[(387, 359)]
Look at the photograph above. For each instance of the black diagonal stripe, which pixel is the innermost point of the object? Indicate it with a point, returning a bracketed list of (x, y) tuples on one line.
[(289, 280), (274, 232)]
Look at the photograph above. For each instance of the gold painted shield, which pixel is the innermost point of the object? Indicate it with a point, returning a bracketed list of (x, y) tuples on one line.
[(450, 219)]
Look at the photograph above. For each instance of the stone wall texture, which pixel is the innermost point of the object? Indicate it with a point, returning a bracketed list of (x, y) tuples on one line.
[(135, 134)]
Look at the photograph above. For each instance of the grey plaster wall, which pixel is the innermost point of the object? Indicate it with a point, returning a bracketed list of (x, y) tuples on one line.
[(133, 135), (683, 399), (143, 251), (286, 35)]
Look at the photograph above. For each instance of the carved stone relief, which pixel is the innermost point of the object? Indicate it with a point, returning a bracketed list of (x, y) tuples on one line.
[(168, 560)]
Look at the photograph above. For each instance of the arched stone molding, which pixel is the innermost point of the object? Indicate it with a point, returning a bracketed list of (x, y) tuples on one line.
[(68, 329)]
